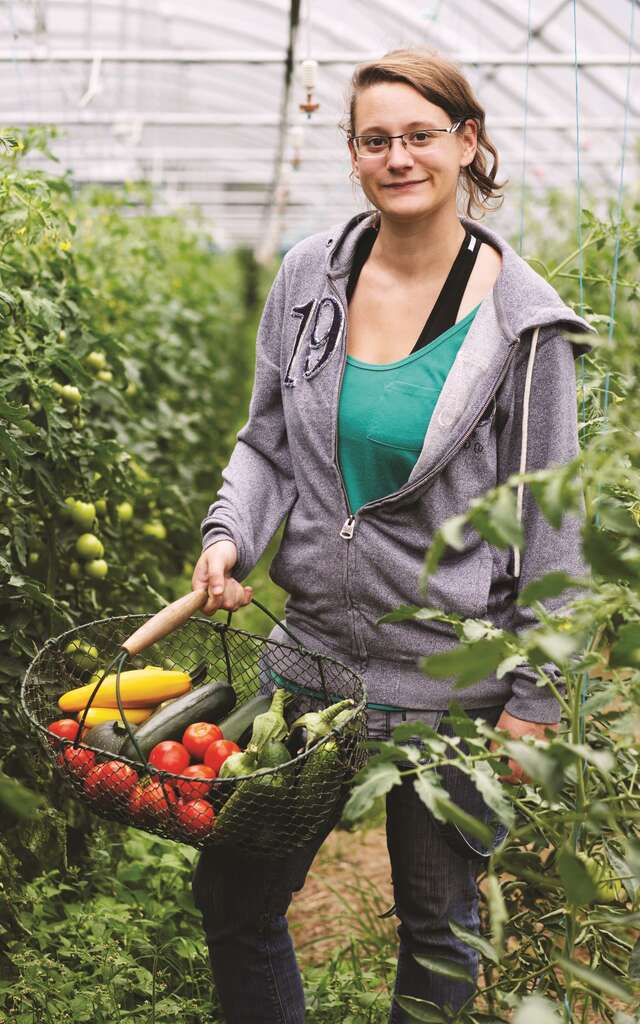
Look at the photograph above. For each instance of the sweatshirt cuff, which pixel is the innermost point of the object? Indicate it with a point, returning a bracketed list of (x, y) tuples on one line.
[(216, 533), (543, 709)]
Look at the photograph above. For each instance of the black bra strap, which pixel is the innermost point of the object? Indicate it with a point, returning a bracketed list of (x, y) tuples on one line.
[(444, 313)]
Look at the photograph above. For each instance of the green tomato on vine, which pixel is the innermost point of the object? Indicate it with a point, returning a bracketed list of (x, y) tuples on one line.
[(97, 568), (88, 546)]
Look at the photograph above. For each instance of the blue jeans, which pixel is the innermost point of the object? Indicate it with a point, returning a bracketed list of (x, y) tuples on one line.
[(244, 902)]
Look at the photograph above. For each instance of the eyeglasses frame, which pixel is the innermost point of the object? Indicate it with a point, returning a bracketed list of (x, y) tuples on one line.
[(445, 131)]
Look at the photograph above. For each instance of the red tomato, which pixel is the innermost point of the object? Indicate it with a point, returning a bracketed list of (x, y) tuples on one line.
[(150, 803), (77, 761), (112, 779), (195, 817), (67, 728), (218, 752), (191, 790), (169, 756), (199, 736)]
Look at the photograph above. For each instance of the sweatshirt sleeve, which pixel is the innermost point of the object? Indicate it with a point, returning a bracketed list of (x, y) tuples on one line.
[(258, 486), (552, 439)]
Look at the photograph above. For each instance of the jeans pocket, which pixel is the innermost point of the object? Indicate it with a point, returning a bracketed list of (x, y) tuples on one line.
[(465, 794)]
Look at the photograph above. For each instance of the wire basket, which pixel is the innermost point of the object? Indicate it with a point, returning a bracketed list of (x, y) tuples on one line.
[(268, 813)]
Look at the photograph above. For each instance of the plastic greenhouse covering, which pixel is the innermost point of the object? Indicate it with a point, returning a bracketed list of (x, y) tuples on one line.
[(203, 99)]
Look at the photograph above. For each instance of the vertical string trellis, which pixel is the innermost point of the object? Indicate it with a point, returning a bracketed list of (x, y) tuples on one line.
[(576, 831), (523, 177)]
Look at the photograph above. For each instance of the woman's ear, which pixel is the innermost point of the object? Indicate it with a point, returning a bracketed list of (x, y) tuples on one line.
[(355, 175), (469, 140)]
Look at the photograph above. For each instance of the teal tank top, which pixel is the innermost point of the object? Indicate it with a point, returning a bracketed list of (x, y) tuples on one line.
[(384, 411)]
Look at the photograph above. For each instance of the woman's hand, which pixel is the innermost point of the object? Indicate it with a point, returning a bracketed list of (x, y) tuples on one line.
[(517, 729), (213, 571)]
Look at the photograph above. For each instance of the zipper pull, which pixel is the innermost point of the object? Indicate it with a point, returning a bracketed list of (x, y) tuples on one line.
[(347, 529)]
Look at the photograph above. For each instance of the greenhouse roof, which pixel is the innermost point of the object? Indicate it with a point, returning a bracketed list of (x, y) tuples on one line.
[(202, 99)]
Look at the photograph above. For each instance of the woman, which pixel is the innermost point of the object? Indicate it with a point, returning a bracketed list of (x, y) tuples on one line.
[(368, 439)]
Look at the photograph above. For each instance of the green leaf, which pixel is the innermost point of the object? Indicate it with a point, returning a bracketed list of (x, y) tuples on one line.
[(407, 611), (498, 522), (625, 652), (557, 647), (550, 585), (538, 764), (634, 962), (475, 941), (400, 614), (498, 916), (509, 664), (442, 807), (604, 555), (378, 781), (421, 1010), (622, 871), (442, 965), (577, 882), (469, 662), (599, 980), (550, 494), (493, 793), (452, 532), (17, 799), (536, 1010)]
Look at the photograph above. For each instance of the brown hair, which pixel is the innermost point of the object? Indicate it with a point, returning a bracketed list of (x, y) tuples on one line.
[(441, 82)]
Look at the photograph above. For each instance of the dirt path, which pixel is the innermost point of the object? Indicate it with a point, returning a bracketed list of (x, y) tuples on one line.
[(348, 885)]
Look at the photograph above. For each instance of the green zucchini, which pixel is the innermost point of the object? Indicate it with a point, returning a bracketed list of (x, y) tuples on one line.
[(240, 721), (206, 703)]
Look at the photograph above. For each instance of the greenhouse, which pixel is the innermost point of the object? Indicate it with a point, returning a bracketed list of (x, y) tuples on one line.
[(319, 644)]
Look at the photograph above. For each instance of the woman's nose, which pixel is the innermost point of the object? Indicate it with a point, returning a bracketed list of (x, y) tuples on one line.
[(398, 155)]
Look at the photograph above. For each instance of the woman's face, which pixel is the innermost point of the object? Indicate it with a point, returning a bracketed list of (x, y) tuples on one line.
[(391, 108)]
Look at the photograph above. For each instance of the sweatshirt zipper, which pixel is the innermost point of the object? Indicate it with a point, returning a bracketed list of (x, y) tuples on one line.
[(348, 527)]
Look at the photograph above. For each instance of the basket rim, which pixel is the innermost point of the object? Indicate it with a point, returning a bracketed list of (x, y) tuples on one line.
[(219, 627)]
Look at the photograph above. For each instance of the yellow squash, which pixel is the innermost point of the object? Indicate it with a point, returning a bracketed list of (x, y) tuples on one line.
[(138, 688), (96, 716)]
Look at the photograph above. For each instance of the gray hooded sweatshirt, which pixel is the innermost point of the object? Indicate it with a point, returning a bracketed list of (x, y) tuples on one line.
[(508, 404)]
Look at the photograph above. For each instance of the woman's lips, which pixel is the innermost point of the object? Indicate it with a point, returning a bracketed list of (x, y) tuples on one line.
[(405, 184)]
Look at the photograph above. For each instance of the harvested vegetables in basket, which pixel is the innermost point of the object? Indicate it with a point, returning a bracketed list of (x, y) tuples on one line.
[(162, 774)]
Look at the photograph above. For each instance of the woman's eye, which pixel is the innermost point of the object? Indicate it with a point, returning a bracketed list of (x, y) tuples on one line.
[(422, 137), (375, 141)]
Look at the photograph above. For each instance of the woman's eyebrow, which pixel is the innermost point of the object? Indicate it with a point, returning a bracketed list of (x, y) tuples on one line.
[(424, 123)]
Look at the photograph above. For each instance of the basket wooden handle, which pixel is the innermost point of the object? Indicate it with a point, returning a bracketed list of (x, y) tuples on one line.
[(165, 621)]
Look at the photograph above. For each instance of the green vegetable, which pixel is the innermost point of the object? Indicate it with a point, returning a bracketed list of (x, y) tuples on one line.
[(241, 719), (272, 754), (258, 805), (108, 736), (320, 723), (206, 703), (271, 724), (243, 763)]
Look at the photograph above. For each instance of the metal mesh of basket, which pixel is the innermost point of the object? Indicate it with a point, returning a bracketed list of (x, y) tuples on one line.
[(270, 812)]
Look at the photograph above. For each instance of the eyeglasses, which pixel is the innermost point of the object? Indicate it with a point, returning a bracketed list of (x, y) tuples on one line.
[(415, 141)]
